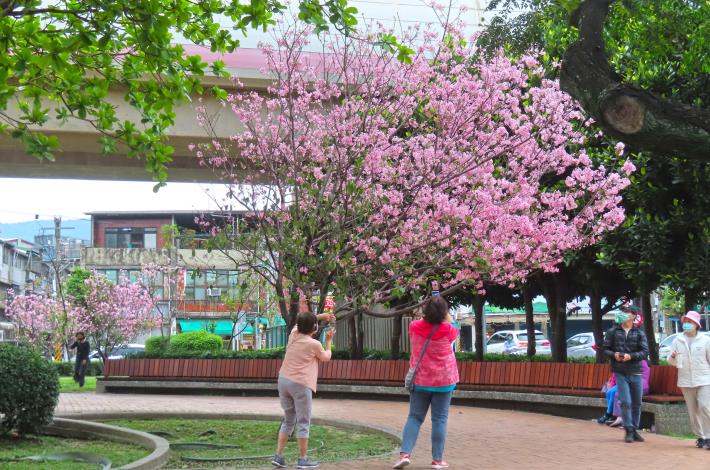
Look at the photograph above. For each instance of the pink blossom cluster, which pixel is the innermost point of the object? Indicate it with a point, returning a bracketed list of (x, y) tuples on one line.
[(112, 314), (451, 165), (37, 318)]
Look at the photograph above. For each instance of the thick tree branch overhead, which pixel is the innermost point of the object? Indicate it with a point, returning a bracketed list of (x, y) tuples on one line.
[(638, 117)]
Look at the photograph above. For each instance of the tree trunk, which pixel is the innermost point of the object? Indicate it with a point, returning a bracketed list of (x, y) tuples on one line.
[(648, 326), (690, 300), (478, 305), (559, 354), (360, 353), (554, 295), (529, 321), (641, 119), (396, 336), (595, 303), (289, 311), (352, 333)]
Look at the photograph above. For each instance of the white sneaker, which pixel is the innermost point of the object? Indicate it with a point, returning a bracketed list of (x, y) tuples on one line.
[(404, 460)]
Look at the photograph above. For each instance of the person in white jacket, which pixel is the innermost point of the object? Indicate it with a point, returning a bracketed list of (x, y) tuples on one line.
[(691, 355)]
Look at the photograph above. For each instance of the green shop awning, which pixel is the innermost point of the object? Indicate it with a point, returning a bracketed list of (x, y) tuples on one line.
[(538, 307), (221, 327)]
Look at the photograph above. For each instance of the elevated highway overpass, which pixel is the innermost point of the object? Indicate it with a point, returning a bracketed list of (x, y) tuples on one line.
[(80, 156)]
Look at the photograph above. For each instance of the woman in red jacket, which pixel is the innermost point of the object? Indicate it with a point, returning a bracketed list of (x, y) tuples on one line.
[(434, 382)]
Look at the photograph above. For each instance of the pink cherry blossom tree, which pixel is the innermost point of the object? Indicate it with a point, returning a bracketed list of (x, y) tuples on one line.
[(38, 319), (113, 314), (163, 284), (366, 177)]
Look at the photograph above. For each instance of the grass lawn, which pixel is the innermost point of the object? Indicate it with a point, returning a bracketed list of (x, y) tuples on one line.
[(119, 454), (257, 439), (67, 385)]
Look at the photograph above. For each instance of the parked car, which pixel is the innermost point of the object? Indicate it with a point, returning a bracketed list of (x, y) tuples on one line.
[(664, 349), (120, 352), (582, 345), (516, 342)]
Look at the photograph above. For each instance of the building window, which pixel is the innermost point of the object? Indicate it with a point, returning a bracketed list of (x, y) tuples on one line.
[(131, 237), (111, 275), (209, 285)]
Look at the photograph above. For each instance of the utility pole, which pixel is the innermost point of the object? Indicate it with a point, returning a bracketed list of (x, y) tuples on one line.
[(57, 251)]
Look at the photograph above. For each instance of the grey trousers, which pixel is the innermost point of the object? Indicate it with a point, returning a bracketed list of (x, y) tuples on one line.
[(296, 401), (698, 401)]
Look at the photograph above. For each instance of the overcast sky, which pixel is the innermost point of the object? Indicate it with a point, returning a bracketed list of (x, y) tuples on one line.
[(22, 199)]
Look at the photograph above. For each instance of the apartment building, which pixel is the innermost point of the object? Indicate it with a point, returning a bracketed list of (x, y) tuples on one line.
[(124, 242), (23, 271)]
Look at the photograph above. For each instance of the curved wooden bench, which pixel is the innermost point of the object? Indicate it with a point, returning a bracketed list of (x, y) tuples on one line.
[(533, 377)]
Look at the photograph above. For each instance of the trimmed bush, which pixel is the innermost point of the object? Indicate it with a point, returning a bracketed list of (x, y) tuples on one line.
[(195, 342), (342, 354), (29, 390), (156, 345), (66, 369)]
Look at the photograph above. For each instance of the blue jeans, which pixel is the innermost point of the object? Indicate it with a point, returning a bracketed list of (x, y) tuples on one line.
[(610, 394), (630, 390), (419, 402)]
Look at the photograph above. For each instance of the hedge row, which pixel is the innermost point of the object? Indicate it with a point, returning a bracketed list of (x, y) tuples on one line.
[(67, 368), (278, 353)]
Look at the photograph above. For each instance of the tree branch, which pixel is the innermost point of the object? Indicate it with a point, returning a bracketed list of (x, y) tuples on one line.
[(640, 118)]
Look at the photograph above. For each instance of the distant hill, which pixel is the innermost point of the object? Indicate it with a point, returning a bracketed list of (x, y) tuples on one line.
[(28, 230)]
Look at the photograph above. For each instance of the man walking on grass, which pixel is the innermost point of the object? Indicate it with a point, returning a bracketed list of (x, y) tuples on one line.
[(82, 357)]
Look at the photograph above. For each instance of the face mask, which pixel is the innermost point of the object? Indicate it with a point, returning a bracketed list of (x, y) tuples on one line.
[(620, 317), (688, 327)]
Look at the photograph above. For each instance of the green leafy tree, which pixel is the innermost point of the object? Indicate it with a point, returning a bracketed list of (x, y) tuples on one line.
[(76, 284), (60, 58), (641, 68), (659, 47)]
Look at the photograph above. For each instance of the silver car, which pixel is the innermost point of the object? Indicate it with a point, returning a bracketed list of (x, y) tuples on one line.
[(582, 345)]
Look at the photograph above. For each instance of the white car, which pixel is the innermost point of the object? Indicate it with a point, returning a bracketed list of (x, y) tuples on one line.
[(119, 352), (664, 349), (516, 342), (582, 345)]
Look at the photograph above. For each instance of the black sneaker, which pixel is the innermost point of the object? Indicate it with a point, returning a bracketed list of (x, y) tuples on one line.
[(629, 437), (637, 437), (700, 443), (604, 419)]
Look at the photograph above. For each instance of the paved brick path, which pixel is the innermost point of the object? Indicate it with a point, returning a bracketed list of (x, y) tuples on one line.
[(478, 438)]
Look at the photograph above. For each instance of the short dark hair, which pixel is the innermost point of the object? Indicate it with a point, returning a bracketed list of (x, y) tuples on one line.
[(306, 321), (435, 310), (80, 333)]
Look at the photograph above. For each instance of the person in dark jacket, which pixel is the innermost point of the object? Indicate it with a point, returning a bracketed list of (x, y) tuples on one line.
[(626, 346), (82, 357)]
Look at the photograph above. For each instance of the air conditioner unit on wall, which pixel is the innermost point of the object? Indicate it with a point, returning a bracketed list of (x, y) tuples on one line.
[(214, 292)]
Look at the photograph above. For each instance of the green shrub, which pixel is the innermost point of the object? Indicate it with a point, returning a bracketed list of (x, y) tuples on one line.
[(156, 345), (29, 390), (342, 354), (274, 353), (497, 357), (195, 342), (66, 369)]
